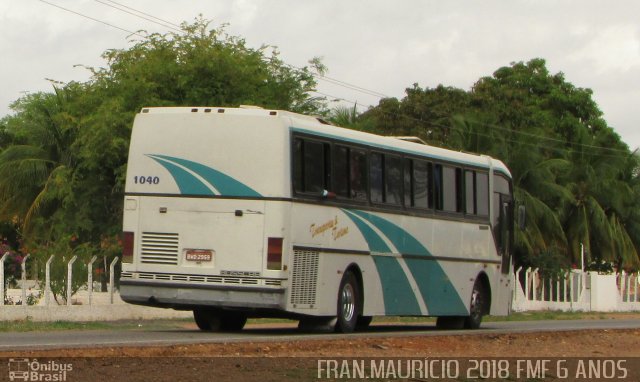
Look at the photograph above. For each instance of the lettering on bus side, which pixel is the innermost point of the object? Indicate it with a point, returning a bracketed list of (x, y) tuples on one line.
[(331, 225), (146, 179)]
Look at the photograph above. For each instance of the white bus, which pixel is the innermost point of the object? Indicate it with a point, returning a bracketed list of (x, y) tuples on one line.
[(244, 212)]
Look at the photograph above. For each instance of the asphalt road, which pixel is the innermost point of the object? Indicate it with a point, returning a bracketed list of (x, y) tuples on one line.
[(146, 337)]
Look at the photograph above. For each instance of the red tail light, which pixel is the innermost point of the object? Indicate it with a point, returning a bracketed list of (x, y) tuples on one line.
[(274, 253), (127, 247)]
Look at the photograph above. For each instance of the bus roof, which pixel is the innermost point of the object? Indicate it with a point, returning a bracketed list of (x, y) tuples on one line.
[(317, 126)]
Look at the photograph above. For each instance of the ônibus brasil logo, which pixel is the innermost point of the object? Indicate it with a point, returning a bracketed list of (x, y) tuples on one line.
[(24, 369)]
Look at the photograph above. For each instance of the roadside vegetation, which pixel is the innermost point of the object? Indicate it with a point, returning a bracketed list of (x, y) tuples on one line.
[(63, 152)]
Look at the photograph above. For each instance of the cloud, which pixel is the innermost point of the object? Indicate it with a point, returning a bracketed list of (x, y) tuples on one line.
[(380, 45)]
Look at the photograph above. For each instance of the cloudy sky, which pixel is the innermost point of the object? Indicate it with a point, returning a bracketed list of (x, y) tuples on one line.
[(381, 46)]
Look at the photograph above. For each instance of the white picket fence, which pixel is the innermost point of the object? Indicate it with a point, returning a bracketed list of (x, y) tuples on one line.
[(85, 305), (46, 292), (575, 291)]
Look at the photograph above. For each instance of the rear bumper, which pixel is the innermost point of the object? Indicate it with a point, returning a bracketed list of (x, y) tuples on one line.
[(183, 296)]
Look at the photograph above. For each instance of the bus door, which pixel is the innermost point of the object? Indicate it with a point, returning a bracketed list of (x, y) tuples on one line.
[(505, 245), (502, 222)]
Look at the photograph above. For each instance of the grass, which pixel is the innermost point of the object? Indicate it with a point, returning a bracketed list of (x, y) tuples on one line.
[(524, 316), (551, 315), (30, 326)]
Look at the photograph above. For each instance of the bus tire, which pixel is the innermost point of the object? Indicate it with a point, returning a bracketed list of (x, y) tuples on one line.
[(477, 306), (348, 304), (232, 321), (363, 322), (206, 320), (219, 321), (317, 324), (450, 322)]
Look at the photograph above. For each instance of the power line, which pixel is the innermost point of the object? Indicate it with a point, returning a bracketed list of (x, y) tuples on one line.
[(147, 14), (170, 25), (506, 139), (335, 98), (348, 85), (492, 126), (546, 138), (153, 19), (92, 18)]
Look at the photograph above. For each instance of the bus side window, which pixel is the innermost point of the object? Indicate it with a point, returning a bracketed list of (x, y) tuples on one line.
[(409, 192), (298, 174), (311, 166), (421, 184), (459, 190), (482, 194), (393, 179), (437, 186), (358, 174), (340, 173), (470, 192), (451, 189), (376, 176), (315, 167)]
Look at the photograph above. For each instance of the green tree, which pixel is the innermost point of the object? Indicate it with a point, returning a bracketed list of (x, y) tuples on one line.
[(569, 167), (63, 154), (424, 113), (35, 170), (577, 179)]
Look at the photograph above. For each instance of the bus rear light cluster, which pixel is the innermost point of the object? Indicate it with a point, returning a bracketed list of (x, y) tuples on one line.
[(127, 247), (274, 253)]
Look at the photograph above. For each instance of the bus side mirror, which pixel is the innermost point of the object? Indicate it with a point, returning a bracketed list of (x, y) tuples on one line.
[(328, 194), (522, 217)]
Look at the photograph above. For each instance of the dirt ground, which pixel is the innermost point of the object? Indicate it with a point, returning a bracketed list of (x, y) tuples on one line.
[(294, 360)]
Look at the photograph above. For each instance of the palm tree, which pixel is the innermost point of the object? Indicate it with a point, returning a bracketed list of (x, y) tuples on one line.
[(36, 168), (601, 199), (536, 188), (344, 116)]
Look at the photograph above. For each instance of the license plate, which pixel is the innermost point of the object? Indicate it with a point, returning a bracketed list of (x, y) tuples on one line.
[(199, 255)]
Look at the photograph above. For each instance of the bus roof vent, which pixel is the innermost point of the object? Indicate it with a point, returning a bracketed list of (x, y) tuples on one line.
[(411, 139), (249, 107), (324, 122)]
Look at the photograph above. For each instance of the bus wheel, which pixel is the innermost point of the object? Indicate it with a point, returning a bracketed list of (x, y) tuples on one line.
[(219, 321), (348, 303), (477, 307), (233, 321), (206, 320), (450, 322), (317, 324), (363, 322)]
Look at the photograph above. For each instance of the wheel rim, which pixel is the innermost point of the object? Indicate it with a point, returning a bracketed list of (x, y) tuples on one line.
[(476, 304), (348, 302)]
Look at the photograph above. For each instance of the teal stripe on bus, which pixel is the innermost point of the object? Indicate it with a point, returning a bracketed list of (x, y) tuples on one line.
[(374, 241), (225, 184), (439, 293), (187, 183), (397, 293), (399, 298)]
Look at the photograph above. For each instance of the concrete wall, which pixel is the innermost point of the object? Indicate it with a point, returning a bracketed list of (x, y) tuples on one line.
[(101, 309), (84, 313), (579, 291)]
